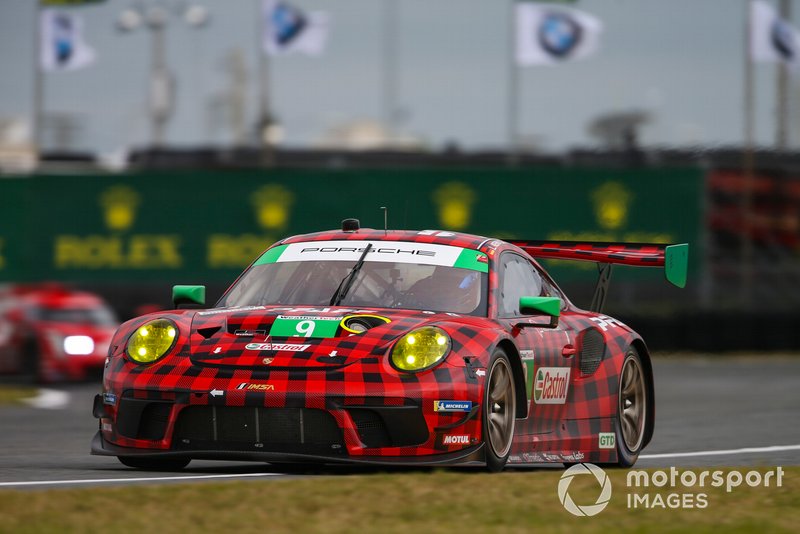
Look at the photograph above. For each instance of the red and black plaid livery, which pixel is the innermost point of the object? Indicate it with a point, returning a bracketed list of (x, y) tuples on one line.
[(636, 254), (338, 380)]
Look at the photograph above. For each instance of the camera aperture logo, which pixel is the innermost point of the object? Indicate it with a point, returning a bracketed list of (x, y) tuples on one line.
[(586, 510)]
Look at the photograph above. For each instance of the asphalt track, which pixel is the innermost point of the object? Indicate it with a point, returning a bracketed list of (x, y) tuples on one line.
[(710, 411)]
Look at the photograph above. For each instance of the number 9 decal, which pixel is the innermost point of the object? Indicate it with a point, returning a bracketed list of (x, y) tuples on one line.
[(305, 328)]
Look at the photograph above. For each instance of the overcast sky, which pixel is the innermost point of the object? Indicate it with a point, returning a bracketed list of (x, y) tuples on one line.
[(681, 60)]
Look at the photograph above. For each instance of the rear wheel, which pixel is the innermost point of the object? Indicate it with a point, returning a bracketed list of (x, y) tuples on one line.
[(632, 409), (155, 464), (499, 411)]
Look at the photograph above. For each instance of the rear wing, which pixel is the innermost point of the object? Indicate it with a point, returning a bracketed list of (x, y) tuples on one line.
[(673, 259)]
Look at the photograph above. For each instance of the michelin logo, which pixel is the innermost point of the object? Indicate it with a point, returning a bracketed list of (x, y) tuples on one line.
[(452, 406)]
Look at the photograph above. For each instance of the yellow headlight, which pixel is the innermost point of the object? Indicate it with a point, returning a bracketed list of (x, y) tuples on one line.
[(152, 340), (420, 349)]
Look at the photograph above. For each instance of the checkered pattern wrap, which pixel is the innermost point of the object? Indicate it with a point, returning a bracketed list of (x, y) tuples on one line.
[(335, 373)]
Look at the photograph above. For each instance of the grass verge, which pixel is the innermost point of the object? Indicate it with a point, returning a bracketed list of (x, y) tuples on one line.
[(429, 502), (15, 394)]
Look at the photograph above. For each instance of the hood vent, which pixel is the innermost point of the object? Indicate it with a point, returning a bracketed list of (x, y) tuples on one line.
[(357, 324)]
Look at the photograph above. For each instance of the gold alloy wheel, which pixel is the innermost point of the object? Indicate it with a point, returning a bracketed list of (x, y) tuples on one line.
[(501, 407), (632, 404)]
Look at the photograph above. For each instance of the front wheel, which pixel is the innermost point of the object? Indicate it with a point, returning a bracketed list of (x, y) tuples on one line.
[(155, 464), (631, 423), (499, 411)]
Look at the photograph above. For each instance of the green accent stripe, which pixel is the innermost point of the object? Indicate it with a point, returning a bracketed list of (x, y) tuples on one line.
[(468, 259), (529, 376), (271, 256)]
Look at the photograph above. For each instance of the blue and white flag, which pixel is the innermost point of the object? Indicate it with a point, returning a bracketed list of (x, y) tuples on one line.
[(62, 45), (550, 35), (288, 29), (772, 39)]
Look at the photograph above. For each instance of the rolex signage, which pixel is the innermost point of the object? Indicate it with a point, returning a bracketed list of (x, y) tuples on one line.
[(205, 227)]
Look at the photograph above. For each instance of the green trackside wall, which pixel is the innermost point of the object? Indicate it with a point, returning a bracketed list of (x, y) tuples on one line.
[(204, 226)]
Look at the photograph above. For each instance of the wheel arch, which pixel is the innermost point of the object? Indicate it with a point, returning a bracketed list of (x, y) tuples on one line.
[(647, 363), (519, 376)]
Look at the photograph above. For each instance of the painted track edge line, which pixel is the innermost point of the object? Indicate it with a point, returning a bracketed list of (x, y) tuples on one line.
[(746, 450), (133, 479)]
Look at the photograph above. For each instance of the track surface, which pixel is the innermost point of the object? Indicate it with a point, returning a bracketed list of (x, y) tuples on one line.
[(702, 405)]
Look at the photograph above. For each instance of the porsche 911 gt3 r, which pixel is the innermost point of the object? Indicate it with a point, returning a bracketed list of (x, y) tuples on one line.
[(388, 347)]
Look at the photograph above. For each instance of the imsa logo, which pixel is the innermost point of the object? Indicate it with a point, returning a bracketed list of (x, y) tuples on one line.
[(551, 385), (255, 387)]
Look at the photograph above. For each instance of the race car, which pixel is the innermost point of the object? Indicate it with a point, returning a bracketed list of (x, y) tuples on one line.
[(387, 347), (50, 333)]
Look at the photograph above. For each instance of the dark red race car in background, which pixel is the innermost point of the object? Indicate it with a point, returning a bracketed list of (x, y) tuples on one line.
[(50, 333)]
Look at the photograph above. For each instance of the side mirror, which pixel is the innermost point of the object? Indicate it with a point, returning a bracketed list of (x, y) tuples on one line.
[(550, 306), (189, 296)]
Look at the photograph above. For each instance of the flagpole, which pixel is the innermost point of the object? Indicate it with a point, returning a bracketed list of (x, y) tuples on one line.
[(512, 105), (781, 108), (748, 162), (264, 114), (38, 83), (389, 93)]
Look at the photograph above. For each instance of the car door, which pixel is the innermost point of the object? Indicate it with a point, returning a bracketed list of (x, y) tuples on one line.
[(547, 370)]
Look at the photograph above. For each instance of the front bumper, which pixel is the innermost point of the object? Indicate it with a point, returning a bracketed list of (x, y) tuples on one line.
[(471, 456), (260, 424)]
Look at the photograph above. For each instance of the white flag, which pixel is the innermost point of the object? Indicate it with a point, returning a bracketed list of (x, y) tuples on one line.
[(548, 35), (772, 39), (288, 29), (62, 45)]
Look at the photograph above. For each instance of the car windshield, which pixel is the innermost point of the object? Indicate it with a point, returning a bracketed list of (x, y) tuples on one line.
[(379, 283), (100, 316)]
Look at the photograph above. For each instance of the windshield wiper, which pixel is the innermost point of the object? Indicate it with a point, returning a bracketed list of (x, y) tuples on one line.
[(347, 281)]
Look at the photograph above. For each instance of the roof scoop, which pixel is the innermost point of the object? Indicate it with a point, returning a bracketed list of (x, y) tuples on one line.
[(351, 225)]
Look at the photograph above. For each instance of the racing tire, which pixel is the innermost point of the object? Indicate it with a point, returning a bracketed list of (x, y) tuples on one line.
[(155, 464), (632, 408), (499, 411)]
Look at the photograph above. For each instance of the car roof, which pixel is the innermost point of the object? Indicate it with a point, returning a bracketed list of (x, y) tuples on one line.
[(439, 237), (63, 299)]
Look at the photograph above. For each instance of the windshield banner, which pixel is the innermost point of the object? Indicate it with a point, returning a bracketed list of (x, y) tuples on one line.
[(382, 251)]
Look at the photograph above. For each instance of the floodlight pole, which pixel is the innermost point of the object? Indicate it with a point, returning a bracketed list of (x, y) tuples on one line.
[(265, 119), (748, 164), (159, 80), (782, 85), (38, 83), (512, 106), (389, 77), (155, 17)]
